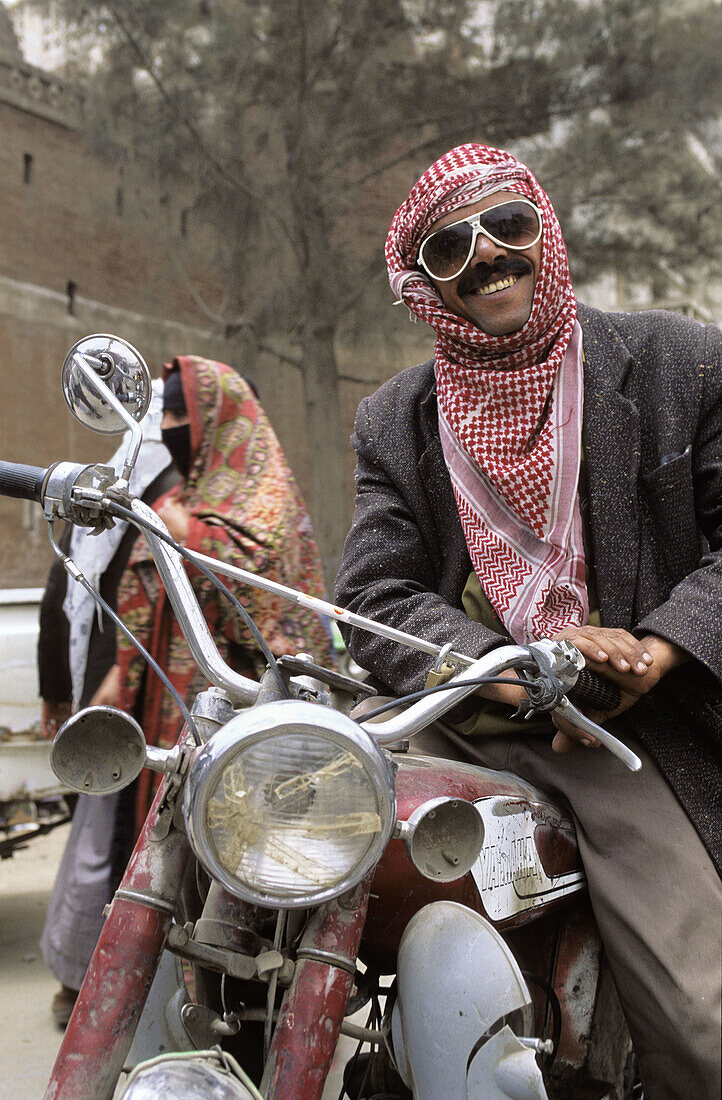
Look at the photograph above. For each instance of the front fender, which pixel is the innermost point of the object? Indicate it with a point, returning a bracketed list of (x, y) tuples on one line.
[(462, 1003)]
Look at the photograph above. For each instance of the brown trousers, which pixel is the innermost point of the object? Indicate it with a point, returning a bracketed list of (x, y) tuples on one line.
[(656, 897)]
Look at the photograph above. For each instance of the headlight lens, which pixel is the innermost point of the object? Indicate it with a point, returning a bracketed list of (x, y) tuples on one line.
[(290, 804)]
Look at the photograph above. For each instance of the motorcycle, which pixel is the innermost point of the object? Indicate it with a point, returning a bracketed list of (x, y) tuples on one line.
[(32, 802), (298, 866)]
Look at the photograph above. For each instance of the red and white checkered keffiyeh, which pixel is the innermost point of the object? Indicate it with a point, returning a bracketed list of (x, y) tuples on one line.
[(515, 482)]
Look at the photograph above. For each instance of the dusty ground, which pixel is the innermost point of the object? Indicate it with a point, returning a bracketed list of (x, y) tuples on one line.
[(28, 1038)]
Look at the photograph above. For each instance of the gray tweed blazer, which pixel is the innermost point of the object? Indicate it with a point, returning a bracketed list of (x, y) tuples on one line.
[(652, 434)]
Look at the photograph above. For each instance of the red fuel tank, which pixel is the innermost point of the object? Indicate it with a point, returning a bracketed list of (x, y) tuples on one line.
[(528, 863)]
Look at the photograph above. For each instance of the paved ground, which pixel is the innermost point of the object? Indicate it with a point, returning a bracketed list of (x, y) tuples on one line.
[(28, 1037)]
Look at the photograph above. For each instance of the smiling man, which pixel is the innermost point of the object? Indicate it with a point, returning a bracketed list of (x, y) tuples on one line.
[(556, 471), (491, 248)]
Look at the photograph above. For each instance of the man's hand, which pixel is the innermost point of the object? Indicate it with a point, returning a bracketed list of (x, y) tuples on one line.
[(52, 717), (635, 665), (176, 518), (512, 696), (613, 653)]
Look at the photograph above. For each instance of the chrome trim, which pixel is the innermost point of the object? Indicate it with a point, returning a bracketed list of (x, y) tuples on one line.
[(136, 432), (331, 611), (190, 617), (152, 901), (419, 714), (326, 957), (610, 742), (277, 720), (164, 761)]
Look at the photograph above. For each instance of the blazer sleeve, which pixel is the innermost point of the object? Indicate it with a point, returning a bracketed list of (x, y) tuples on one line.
[(690, 616), (390, 569)]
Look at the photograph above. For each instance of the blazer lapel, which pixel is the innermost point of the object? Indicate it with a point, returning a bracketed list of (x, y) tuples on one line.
[(611, 454), (435, 476)]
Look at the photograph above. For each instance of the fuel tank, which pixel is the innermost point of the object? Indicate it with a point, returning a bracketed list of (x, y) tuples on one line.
[(529, 862)]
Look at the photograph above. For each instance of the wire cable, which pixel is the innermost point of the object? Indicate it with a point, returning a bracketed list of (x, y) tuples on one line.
[(482, 681), (556, 1011), (85, 583), (131, 516), (273, 983)]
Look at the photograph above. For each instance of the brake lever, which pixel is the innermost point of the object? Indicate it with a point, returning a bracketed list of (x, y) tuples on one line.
[(566, 662), (613, 744)]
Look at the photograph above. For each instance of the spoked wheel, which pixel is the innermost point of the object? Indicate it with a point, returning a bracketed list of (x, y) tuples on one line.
[(633, 1087)]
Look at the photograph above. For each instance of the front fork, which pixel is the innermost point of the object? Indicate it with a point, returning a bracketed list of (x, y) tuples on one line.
[(314, 1006), (121, 971)]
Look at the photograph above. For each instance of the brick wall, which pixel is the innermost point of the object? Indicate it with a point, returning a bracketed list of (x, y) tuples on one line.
[(84, 247), (87, 246)]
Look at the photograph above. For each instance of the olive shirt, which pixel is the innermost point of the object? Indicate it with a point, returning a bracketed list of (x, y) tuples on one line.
[(652, 437)]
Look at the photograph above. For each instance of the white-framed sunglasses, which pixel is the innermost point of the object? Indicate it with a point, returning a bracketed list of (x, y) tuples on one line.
[(514, 224)]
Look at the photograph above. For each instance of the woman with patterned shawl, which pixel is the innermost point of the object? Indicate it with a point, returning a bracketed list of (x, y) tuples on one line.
[(238, 502)]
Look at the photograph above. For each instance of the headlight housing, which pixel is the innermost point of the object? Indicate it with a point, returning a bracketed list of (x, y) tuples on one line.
[(188, 1075), (290, 804)]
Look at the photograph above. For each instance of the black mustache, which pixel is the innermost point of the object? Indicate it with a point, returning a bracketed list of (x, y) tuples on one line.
[(483, 274)]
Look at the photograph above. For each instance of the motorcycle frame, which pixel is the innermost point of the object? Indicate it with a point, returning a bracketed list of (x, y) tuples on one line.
[(125, 961), (121, 971), (113, 995), (118, 980)]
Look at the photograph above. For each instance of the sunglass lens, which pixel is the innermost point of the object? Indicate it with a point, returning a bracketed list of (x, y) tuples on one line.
[(444, 252), (513, 223)]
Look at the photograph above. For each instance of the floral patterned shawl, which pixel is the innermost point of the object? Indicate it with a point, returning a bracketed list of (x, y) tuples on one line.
[(246, 510)]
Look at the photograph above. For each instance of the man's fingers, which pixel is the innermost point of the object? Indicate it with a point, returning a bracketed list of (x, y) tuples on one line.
[(616, 648), (568, 736), (591, 648), (626, 654), (561, 743)]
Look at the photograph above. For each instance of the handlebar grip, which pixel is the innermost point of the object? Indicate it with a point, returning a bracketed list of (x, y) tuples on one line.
[(19, 480), (595, 692)]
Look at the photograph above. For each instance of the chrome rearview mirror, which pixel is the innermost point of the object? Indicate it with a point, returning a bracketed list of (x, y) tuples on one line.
[(99, 750), (101, 372), (106, 384)]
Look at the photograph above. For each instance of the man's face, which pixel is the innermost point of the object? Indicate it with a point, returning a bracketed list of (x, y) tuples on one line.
[(497, 312)]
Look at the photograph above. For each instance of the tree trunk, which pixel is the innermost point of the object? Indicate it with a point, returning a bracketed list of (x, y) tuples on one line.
[(331, 496)]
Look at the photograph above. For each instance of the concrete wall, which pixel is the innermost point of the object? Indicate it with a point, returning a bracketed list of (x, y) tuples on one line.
[(89, 246)]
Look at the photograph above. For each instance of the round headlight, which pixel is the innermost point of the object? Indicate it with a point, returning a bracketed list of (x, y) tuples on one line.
[(290, 804), (196, 1075)]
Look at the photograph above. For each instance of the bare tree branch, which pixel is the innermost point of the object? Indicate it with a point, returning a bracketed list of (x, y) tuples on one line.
[(219, 168)]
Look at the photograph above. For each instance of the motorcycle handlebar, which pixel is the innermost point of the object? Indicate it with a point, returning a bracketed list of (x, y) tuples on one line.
[(593, 691), (17, 479), (420, 714), (27, 482)]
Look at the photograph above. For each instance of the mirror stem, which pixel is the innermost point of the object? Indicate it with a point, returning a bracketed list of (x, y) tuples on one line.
[(136, 434)]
